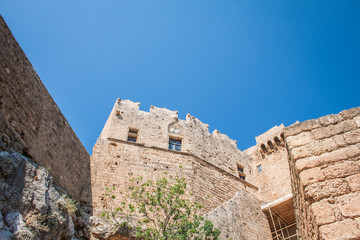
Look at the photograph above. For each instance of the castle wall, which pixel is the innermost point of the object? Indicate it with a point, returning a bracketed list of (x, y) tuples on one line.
[(270, 166), (325, 168), (113, 162), (155, 128), (241, 218), (32, 124)]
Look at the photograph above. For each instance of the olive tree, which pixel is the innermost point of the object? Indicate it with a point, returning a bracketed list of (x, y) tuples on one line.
[(159, 210)]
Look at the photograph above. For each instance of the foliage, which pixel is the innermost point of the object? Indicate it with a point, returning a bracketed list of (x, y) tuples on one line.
[(70, 204), (159, 210)]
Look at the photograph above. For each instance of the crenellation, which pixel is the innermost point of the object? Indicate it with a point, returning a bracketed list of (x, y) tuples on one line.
[(159, 124)]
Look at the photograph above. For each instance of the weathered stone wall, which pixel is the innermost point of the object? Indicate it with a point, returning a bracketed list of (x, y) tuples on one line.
[(32, 124), (241, 218), (155, 128), (114, 160), (269, 165), (325, 166)]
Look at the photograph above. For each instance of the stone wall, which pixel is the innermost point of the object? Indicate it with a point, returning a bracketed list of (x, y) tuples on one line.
[(325, 166), (32, 124), (241, 218), (113, 162), (156, 126), (269, 165)]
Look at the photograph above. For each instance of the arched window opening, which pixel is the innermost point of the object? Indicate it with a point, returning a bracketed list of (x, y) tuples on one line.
[(271, 146), (277, 141), (282, 136), (263, 148)]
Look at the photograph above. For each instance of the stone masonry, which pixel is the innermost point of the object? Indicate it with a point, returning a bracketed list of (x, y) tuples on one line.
[(325, 163), (270, 167), (32, 124), (209, 162)]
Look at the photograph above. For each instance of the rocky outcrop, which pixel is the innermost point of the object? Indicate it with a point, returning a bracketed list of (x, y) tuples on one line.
[(31, 206)]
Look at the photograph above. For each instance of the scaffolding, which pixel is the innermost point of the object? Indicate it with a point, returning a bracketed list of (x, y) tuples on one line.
[(281, 217)]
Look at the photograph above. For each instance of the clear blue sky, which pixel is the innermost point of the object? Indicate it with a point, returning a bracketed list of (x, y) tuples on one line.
[(240, 66)]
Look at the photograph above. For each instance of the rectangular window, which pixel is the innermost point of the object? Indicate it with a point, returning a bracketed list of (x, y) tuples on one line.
[(241, 172), (174, 144), (131, 139), (132, 135), (259, 168)]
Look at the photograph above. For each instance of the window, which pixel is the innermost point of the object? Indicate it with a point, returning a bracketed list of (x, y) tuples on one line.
[(132, 135), (276, 139), (174, 144), (282, 136), (271, 146), (263, 148), (259, 168), (241, 172)]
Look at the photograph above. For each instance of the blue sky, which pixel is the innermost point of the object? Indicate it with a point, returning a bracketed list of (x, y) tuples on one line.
[(240, 66)]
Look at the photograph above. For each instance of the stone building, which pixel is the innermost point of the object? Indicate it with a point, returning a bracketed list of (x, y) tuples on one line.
[(297, 182)]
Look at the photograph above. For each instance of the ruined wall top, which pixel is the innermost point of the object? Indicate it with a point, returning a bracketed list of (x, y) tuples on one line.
[(156, 127)]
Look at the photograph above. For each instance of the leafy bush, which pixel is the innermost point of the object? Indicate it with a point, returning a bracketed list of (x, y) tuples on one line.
[(159, 210), (70, 204)]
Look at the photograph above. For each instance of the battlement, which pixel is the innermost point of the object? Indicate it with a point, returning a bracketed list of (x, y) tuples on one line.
[(157, 127), (128, 107)]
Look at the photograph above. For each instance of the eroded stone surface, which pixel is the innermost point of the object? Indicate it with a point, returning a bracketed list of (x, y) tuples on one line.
[(328, 173), (31, 206)]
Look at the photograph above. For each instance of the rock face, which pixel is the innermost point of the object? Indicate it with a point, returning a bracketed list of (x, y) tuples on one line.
[(31, 206)]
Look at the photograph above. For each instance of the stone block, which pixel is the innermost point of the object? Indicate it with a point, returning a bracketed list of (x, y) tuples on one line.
[(352, 137), (339, 140), (343, 230), (330, 188), (310, 176), (330, 119), (300, 139), (328, 157), (357, 120), (331, 130), (301, 127), (354, 182), (314, 148), (349, 204), (350, 113), (323, 212), (341, 169)]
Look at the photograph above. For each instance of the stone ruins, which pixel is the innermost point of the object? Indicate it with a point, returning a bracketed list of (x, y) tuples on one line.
[(297, 182)]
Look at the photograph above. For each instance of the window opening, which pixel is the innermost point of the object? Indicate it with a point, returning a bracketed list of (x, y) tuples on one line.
[(282, 136), (276, 139), (271, 146), (259, 168), (132, 135), (174, 144), (241, 172), (263, 148)]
